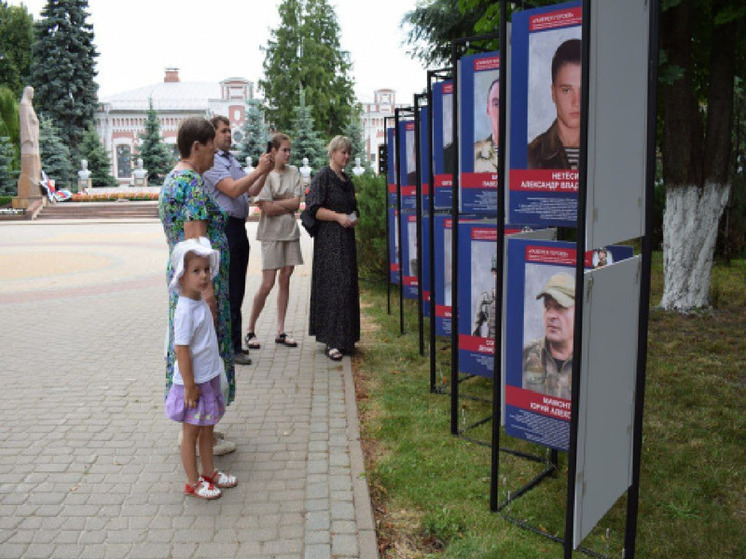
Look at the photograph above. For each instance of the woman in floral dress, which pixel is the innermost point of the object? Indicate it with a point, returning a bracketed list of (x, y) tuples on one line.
[(188, 211)]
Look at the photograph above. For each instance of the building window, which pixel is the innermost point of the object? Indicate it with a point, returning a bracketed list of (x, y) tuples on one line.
[(124, 162)]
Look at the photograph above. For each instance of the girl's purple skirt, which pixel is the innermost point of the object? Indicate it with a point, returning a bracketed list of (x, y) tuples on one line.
[(210, 406)]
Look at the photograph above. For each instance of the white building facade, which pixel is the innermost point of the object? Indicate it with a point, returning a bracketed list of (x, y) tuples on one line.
[(120, 119), (372, 119)]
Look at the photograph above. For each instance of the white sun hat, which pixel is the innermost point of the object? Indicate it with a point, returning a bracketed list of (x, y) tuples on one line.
[(199, 246)]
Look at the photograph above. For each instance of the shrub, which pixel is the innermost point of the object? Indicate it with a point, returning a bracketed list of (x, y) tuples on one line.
[(371, 231)]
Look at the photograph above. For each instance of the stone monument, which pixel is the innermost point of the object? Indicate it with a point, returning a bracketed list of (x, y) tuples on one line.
[(358, 169), (28, 182), (140, 175), (249, 167), (84, 177), (305, 172)]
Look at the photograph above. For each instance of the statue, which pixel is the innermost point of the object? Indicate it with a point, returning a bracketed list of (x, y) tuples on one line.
[(84, 177), (28, 181), (305, 172), (249, 167), (140, 175), (358, 169)]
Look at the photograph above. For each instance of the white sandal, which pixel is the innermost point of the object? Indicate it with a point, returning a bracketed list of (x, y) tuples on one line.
[(221, 479), (203, 489)]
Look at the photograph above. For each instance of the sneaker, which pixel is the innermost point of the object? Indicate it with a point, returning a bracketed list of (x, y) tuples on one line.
[(242, 359)]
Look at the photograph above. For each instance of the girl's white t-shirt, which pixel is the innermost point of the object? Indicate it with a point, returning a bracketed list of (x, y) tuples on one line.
[(194, 327)]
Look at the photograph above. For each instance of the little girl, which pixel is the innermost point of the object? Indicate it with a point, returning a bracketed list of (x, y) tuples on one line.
[(195, 398)]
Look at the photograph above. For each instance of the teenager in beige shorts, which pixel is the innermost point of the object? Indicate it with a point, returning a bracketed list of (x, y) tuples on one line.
[(280, 237)]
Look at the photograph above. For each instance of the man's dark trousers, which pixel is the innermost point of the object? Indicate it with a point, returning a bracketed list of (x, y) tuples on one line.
[(238, 246)]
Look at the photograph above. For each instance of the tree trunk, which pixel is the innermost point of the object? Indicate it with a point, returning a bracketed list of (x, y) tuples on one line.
[(690, 226), (696, 156)]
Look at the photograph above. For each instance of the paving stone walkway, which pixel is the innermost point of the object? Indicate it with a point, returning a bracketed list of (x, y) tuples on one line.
[(89, 466)]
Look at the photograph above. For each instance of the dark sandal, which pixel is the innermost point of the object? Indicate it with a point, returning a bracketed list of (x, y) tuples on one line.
[(334, 354), (251, 341), (285, 340)]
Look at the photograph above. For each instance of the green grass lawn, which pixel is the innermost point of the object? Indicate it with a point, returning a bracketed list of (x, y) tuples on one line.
[(431, 489)]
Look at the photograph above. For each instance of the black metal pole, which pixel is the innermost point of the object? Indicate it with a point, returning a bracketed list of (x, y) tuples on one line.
[(454, 250), (633, 494), (579, 279), (417, 142), (497, 368)]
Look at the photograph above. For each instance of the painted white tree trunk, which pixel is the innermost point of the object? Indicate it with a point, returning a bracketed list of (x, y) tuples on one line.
[(690, 225)]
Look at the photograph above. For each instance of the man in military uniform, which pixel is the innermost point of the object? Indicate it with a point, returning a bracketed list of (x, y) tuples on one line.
[(486, 308), (559, 146), (485, 151), (547, 362)]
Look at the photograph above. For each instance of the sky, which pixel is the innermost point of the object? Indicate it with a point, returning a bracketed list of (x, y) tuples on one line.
[(138, 39)]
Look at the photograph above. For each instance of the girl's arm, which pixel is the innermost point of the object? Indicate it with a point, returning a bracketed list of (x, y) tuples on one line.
[(279, 207), (191, 390)]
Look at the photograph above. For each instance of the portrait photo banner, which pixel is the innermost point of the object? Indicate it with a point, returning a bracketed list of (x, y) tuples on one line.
[(391, 166), (545, 116), (393, 245), (444, 156), (408, 224), (479, 108), (443, 226), (424, 160), (407, 167)]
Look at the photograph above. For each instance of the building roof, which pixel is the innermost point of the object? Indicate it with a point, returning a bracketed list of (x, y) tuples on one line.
[(194, 96)]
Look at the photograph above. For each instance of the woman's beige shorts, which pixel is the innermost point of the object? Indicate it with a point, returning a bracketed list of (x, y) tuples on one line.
[(278, 254)]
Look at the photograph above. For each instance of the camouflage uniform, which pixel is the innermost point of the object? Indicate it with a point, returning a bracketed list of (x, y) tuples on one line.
[(541, 372), (485, 156)]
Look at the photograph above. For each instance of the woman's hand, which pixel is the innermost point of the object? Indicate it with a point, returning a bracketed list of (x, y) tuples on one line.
[(345, 221), (191, 395)]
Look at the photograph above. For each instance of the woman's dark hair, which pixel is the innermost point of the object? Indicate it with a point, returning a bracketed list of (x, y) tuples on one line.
[(193, 129)]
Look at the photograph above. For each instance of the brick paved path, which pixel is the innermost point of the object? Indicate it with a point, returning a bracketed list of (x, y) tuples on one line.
[(89, 466)]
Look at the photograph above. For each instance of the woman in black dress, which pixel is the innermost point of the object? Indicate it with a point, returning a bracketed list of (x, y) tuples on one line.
[(335, 298)]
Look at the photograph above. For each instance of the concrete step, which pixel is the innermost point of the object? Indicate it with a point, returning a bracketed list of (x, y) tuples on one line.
[(100, 210)]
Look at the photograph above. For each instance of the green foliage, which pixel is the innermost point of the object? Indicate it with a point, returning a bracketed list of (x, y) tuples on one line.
[(306, 141), (156, 157), (354, 132), (55, 157), (255, 133), (371, 231), (8, 167), (9, 123), (99, 163), (433, 25), (63, 69), (16, 41), (304, 53)]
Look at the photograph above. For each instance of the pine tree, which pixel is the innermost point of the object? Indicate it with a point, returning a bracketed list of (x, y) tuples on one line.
[(354, 132), (306, 141), (304, 51), (63, 69), (55, 157), (16, 40), (255, 133), (99, 163), (156, 157), (8, 168), (282, 65)]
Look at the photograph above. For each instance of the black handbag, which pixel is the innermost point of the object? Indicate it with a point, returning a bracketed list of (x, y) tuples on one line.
[(309, 222)]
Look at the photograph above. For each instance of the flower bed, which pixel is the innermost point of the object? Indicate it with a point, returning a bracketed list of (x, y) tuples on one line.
[(115, 196)]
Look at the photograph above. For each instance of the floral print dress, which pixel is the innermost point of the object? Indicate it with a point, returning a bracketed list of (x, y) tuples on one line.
[(183, 198)]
